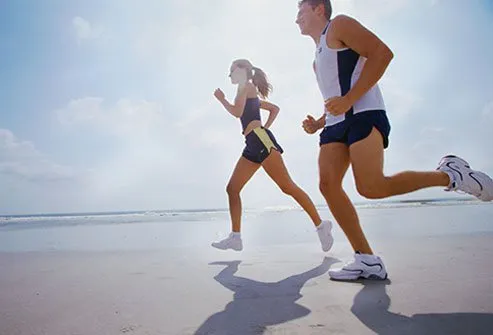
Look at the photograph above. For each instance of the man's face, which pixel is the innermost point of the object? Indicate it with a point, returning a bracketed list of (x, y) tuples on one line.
[(305, 18)]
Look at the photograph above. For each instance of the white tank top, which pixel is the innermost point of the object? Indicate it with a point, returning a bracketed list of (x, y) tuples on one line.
[(337, 71)]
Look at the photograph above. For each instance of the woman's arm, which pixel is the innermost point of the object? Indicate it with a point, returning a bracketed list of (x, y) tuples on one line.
[(273, 111), (239, 105)]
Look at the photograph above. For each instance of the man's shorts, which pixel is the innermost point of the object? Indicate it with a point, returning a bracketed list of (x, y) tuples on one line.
[(356, 128)]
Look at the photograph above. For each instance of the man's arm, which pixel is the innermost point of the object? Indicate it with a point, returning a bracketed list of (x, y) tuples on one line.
[(356, 37), (311, 126), (321, 121)]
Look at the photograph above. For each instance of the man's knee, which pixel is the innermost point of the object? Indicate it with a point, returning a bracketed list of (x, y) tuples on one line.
[(372, 189), (330, 187), (324, 186)]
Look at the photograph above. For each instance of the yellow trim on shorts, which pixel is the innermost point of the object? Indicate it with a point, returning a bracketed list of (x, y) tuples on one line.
[(264, 138)]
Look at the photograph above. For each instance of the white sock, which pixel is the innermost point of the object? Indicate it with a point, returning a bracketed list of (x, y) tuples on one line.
[(369, 256), (235, 235), (451, 177)]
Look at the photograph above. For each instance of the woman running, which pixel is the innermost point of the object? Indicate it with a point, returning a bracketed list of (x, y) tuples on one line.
[(261, 150)]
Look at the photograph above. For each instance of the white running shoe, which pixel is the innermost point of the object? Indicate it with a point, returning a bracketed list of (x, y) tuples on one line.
[(363, 266), (325, 235), (463, 178), (231, 242)]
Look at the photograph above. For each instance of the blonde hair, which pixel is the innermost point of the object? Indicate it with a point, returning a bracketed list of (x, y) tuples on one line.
[(258, 77)]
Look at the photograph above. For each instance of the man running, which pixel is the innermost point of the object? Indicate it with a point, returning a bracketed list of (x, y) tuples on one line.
[(349, 61)]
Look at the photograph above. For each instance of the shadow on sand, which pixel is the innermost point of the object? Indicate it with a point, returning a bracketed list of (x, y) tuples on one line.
[(257, 305), (371, 307)]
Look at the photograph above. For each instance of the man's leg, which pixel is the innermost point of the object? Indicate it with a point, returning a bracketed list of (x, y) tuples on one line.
[(366, 158), (333, 163)]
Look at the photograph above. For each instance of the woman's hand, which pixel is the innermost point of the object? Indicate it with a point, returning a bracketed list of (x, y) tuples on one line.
[(219, 94)]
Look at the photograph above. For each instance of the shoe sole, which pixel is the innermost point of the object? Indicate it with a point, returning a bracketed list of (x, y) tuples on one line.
[(484, 179), (331, 243), (219, 248), (331, 240), (370, 277)]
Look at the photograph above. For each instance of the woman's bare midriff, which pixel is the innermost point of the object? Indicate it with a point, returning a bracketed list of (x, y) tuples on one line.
[(251, 126)]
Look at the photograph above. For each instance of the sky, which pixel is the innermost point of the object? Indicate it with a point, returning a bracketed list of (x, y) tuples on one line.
[(108, 106)]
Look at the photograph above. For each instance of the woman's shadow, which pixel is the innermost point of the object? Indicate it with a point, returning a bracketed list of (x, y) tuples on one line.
[(257, 305), (371, 307)]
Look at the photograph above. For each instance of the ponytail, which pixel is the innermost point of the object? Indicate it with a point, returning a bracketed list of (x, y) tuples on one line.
[(259, 79)]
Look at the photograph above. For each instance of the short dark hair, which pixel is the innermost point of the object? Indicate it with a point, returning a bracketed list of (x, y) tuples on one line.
[(315, 3)]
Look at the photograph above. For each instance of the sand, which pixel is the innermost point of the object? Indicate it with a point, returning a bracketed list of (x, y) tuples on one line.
[(440, 282)]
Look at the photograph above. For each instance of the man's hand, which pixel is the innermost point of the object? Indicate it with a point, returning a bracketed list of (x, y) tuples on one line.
[(310, 125), (338, 105)]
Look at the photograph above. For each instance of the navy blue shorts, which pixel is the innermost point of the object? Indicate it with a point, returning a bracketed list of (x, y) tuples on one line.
[(356, 128), (259, 143)]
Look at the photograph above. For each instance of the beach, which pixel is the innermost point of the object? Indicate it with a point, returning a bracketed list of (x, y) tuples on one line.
[(157, 274)]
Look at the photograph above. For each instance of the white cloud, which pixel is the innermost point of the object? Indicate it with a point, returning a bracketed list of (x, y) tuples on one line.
[(195, 55), (84, 30), (153, 159), (125, 118), (20, 160), (175, 146)]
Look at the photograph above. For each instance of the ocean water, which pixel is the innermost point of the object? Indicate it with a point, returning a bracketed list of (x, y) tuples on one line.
[(151, 230)]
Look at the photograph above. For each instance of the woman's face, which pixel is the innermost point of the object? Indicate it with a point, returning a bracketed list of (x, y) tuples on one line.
[(237, 74)]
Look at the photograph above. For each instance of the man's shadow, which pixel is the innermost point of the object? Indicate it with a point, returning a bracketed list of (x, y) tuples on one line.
[(371, 307), (257, 305)]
